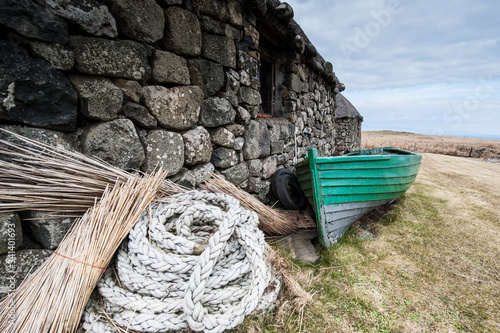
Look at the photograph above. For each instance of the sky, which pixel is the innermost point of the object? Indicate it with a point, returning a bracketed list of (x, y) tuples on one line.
[(428, 67)]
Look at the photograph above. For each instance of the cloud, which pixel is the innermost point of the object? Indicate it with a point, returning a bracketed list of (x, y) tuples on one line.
[(411, 66), (467, 108), (422, 42)]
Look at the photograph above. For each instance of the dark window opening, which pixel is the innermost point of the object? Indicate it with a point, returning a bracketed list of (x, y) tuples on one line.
[(267, 82)]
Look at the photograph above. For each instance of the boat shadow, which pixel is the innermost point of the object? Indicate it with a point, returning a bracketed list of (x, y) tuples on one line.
[(368, 226)]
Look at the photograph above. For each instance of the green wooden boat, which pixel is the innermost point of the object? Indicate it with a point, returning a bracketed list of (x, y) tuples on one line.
[(343, 188)]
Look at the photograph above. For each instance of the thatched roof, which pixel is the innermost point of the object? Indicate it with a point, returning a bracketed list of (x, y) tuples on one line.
[(345, 109), (284, 32)]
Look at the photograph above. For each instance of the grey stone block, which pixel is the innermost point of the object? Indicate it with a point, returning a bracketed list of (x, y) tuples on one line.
[(186, 178), (33, 92), (269, 167), (99, 97), (55, 138), (18, 15), (277, 147), (97, 56), (59, 56), (224, 157), (207, 74), (257, 143), (254, 167), (170, 68), (239, 142), (115, 142), (142, 20), (197, 146), (89, 15), (237, 174), (237, 130), (247, 63), (222, 137), (131, 89), (176, 108), (139, 115), (216, 112), (202, 172), (182, 32), (14, 268), (214, 8), (220, 49), (165, 148)]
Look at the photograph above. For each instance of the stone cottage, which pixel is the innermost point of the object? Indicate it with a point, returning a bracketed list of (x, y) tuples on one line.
[(196, 85), (347, 126)]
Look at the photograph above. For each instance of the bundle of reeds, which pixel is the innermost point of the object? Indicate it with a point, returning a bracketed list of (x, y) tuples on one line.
[(53, 298), (38, 176), (270, 221)]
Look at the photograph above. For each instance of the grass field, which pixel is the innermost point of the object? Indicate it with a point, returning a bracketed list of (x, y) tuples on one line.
[(430, 262), (448, 145)]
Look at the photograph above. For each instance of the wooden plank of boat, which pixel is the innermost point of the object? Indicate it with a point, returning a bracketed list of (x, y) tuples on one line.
[(344, 188)]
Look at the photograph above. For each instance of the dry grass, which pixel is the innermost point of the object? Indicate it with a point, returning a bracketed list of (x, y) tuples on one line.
[(432, 267), (448, 145)]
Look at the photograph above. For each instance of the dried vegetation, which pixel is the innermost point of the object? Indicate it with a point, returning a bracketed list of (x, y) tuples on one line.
[(447, 145)]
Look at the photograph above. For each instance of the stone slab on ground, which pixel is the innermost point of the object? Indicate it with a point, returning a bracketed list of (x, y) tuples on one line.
[(299, 246)]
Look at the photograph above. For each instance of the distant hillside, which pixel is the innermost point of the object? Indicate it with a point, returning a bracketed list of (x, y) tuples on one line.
[(448, 145)]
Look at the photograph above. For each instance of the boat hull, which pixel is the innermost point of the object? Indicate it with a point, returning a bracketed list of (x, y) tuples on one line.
[(344, 188)]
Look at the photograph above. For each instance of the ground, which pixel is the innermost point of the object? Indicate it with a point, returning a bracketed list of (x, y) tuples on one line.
[(427, 263)]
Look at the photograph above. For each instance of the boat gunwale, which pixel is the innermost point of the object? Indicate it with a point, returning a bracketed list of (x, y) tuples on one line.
[(398, 151), (373, 168), (359, 158)]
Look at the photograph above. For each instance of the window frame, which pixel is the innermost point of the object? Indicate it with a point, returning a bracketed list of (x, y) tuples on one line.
[(268, 99)]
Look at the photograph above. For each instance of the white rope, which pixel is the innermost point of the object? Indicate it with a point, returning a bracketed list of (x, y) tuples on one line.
[(194, 260)]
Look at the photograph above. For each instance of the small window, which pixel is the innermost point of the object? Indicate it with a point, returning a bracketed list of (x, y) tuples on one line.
[(267, 82)]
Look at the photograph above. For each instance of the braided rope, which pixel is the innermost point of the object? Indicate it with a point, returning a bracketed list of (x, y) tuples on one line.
[(194, 260)]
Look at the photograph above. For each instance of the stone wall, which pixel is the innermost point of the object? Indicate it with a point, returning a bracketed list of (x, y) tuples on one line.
[(137, 83), (348, 135), (348, 126)]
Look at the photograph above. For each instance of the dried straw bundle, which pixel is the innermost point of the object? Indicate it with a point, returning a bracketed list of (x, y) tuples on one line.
[(38, 176), (53, 298), (270, 221)]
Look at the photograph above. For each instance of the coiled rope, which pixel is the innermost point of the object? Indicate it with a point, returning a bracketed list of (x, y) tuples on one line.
[(194, 260)]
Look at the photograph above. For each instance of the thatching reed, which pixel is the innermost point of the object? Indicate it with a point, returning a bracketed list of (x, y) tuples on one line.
[(270, 221), (53, 298), (38, 176)]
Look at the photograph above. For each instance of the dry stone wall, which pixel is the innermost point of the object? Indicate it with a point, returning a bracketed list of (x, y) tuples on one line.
[(171, 82), (348, 126), (348, 136)]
